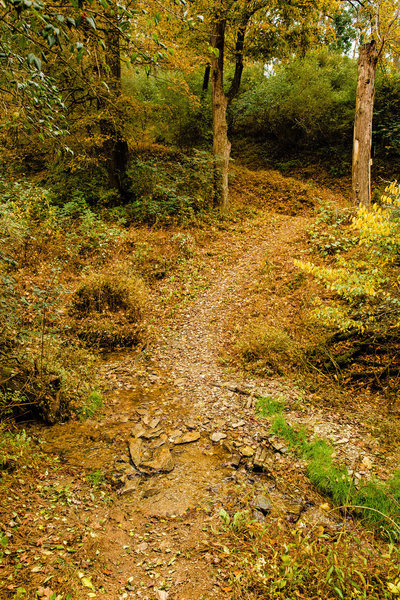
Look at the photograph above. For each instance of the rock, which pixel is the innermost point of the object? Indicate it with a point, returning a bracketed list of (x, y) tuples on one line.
[(341, 441), (157, 442), (187, 438), (239, 424), (246, 451), (161, 595), (136, 451), (141, 547), (151, 433), (151, 422), (263, 505), (278, 446), (190, 424), (176, 433), (260, 462), (150, 492), (366, 462), (217, 436), (138, 430), (124, 458), (258, 516), (235, 461), (130, 486), (161, 462)]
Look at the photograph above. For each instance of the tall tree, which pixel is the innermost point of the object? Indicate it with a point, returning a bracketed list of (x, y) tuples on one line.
[(380, 20), (237, 15)]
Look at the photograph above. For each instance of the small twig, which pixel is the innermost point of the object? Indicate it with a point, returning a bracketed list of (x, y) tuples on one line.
[(234, 389)]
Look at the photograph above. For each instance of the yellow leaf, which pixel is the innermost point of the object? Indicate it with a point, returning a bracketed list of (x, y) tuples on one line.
[(86, 581)]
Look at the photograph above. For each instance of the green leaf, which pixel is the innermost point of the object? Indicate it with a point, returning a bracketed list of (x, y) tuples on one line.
[(91, 22), (33, 60)]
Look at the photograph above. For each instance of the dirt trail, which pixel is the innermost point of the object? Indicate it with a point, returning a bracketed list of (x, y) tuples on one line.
[(180, 388), (179, 436)]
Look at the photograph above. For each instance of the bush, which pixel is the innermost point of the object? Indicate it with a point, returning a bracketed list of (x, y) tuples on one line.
[(267, 349), (386, 114), (108, 308), (168, 109), (307, 102), (171, 188), (366, 281)]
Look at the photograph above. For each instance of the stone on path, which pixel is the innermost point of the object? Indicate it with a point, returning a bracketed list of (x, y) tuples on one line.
[(136, 451), (263, 505), (187, 438), (161, 462), (217, 436), (246, 451)]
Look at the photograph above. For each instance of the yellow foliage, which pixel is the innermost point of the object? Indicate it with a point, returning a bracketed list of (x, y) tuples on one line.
[(366, 283)]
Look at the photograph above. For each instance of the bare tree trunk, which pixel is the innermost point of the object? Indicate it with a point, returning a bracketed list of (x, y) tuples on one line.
[(206, 80), (221, 144), (115, 147), (237, 77), (362, 142)]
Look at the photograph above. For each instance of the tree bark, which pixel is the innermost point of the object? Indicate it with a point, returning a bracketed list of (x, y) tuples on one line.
[(115, 147), (221, 144), (362, 142), (206, 80), (237, 77)]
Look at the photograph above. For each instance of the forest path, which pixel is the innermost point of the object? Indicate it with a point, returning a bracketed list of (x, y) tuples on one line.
[(178, 438)]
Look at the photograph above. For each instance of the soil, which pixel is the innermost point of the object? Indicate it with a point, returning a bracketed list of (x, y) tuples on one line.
[(129, 503)]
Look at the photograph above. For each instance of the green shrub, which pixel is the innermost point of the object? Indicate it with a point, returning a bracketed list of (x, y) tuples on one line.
[(366, 282), (309, 101), (107, 309), (171, 188)]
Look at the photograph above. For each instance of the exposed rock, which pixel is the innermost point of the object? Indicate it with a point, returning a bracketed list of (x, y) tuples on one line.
[(142, 547), (136, 451), (150, 492), (161, 462), (176, 433), (130, 486), (157, 442), (235, 460), (138, 430), (151, 433), (260, 462), (263, 505), (187, 438), (239, 424), (246, 451), (278, 446), (151, 422), (366, 462), (217, 436), (341, 441)]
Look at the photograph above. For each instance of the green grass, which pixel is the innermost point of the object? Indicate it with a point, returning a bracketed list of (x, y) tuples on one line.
[(268, 406), (95, 478), (91, 405), (378, 502)]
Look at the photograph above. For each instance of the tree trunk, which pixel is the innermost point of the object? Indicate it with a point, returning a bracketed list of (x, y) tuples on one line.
[(362, 142), (237, 77), (115, 147), (221, 145), (206, 80)]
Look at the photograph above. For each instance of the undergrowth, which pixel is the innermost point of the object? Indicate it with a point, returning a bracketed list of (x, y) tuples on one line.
[(279, 562), (266, 349), (375, 501)]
